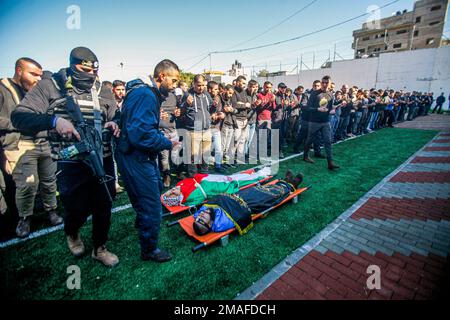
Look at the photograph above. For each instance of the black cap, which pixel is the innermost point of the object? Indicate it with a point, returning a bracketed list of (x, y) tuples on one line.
[(282, 85), (84, 56)]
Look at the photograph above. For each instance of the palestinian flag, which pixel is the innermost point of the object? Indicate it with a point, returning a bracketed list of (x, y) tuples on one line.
[(204, 186)]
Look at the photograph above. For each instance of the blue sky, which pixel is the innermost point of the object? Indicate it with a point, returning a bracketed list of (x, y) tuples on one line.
[(141, 33)]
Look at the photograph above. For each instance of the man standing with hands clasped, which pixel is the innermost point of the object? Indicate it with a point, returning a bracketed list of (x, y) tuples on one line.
[(320, 104)]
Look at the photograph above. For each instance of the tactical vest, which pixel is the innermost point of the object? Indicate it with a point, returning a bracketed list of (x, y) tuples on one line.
[(10, 139), (10, 87), (87, 103)]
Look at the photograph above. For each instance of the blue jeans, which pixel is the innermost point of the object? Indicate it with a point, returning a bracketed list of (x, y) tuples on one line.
[(144, 186), (334, 122), (355, 125), (373, 119)]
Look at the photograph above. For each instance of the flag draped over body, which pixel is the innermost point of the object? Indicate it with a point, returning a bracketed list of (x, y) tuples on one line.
[(204, 186)]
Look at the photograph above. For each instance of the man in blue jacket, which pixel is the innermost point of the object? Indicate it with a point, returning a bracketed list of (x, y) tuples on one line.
[(137, 150)]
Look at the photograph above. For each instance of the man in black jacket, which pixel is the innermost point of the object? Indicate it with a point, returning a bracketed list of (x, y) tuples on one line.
[(305, 115), (242, 105), (439, 103), (170, 112), (320, 104), (51, 110)]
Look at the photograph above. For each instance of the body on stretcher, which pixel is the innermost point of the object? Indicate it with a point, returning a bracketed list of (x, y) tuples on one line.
[(174, 210), (211, 238)]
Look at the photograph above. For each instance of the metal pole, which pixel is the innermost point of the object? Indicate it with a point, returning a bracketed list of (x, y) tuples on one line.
[(210, 63), (412, 37), (334, 58)]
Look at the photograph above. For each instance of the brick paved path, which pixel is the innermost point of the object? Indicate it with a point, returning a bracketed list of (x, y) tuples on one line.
[(402, 226)]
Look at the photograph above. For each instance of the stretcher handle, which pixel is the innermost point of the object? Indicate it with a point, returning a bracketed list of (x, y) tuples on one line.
[(199, 247), (172, 224), (165, 215)]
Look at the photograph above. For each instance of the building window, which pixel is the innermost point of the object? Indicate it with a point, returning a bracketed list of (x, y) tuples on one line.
[(385, 48), (360, 51), (397, 45), (366, 38), (416, 33), (402, 31), (434, 23), (418, 19), (436, 8), (430, 41)]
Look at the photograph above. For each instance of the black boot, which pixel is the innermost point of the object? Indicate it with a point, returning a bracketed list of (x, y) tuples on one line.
[(332, 166)]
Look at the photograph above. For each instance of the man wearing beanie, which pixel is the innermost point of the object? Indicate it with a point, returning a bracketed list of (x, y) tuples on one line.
[(48, 111)]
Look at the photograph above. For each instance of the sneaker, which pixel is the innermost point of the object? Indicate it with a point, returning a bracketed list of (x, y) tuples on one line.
[(104, 256), (309, 160), (23, 227), (166, 181), (54, 218), (158, 255), (119, 188), (76, 246)]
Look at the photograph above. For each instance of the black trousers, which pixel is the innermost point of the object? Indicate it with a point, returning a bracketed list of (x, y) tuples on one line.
[(438, 107), (302, 135), (82, 196), (316, 129)]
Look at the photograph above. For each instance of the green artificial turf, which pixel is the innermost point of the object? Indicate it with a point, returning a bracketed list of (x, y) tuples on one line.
[(37, 269)]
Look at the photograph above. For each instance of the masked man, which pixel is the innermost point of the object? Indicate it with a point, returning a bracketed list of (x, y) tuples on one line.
[(55, 109)]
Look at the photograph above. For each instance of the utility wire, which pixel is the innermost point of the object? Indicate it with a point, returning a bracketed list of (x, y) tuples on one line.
[(196, 64), (301, 36), (275, 26)]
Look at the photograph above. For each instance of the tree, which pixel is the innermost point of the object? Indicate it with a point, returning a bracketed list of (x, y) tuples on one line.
[(187, 77), (263, 73)]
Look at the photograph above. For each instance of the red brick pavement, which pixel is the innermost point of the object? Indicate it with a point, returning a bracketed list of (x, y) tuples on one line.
[(441, 141), (407, 209), (422, 177), (437, 149), (333, 276), (431, 160)]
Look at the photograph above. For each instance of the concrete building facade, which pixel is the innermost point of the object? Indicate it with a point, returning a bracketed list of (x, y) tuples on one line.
[(425, 70), (421, 28)]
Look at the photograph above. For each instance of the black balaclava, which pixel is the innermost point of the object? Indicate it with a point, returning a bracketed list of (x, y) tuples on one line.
[(82, 81)]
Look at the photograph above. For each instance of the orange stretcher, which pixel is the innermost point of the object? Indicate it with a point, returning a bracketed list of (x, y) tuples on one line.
[(211, 238), (180, 209)]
